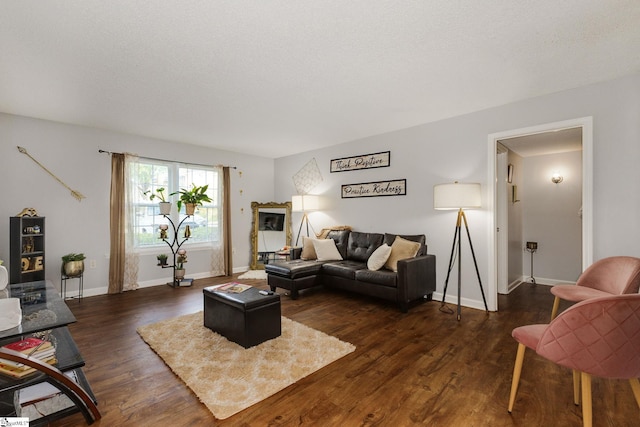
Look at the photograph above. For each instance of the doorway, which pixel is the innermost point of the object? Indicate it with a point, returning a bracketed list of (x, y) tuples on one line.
[(495, 193)]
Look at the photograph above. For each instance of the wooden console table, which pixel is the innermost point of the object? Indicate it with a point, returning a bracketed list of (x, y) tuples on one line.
[(44, 310)]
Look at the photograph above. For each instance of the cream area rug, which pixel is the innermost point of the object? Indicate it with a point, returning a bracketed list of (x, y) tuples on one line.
[(254, 274), (228, 378)]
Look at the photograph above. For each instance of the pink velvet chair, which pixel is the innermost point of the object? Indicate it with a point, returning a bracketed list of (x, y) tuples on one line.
[(599, 336), (609, 276)]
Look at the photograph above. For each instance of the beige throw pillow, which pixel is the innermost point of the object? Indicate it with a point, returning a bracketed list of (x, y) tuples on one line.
[(379, 257), (401, 249), (326, 250), (308, 251)]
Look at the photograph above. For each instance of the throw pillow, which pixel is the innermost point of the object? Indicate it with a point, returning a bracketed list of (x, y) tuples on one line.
[(308, 251), (401, 249), (379, 257), (326, 250)]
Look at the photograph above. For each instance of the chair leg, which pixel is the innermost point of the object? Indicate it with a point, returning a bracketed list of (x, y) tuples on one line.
[(554, 310), (635, 386), (587, 410), (576, 387), (517, 370)]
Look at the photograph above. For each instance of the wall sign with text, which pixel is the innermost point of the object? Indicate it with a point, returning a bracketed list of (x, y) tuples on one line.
[(397, 187), (365, 161)]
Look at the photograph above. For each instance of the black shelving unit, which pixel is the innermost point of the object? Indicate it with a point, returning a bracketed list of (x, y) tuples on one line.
[(26, 249)]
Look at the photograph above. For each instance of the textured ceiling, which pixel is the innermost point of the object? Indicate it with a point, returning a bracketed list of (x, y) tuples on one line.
[(275, 78)]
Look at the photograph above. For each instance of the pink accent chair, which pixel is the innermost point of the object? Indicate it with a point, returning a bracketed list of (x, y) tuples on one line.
[(600, 336), (609, 276)]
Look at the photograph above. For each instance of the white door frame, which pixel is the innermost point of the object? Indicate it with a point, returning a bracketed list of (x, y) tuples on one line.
[(586, 123), (502, 222)]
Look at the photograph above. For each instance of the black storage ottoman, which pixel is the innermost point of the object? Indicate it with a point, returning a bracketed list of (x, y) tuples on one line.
[(248, 318)]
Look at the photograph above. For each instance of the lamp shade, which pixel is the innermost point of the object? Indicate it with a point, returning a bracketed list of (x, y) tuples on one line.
[(457, 196), (304, 203)]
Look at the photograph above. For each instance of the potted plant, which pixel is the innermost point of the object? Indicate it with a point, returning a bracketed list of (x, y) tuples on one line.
[(162, 259), (182, 258), (73, 264), (196, 196), (165, 206)]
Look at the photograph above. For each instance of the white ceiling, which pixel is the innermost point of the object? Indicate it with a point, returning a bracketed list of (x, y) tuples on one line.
[(553, 142), (275, 78)]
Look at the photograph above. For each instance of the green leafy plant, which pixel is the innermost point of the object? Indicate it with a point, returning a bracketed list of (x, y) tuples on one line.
[(182, 258), (196, 195), (73, 257), (160, 194)]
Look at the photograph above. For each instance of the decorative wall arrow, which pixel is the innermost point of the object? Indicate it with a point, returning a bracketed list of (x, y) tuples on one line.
[(74, 193)]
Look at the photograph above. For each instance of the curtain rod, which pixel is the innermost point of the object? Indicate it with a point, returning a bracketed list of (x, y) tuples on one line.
[(165, 160)]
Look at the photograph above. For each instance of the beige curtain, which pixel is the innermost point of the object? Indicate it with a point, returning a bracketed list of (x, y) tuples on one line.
[(117, 224), (221, 261), (226, 224), (123, 259), (132, 191)]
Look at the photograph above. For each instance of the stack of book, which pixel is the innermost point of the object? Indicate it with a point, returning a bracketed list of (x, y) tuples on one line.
[(31, 347), (231, 287)]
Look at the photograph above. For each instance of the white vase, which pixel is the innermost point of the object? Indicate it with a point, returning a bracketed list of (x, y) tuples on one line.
[(10, 313), (165, 208), (4, 277)]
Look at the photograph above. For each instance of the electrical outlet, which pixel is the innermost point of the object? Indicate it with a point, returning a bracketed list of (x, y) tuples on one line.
[(92, 263)]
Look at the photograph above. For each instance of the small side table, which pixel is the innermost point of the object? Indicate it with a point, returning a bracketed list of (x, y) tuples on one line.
[(63, 282), (283, 255)]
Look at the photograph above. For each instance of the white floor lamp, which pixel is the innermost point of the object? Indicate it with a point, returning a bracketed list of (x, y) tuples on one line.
[(459, 196), (304, 203)]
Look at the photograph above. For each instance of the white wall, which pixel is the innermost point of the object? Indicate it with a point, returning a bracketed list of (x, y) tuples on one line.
[(444, 151), (71, 152), (551, 216), (456, 149)]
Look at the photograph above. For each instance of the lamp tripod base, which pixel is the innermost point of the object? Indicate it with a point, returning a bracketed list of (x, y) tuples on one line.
[(305, 220), (456, 244)]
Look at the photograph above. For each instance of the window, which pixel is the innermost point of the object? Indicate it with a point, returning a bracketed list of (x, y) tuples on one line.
[(145, 218)]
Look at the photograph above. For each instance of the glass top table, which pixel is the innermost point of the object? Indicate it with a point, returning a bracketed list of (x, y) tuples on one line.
[(42, 308), (45, 312)]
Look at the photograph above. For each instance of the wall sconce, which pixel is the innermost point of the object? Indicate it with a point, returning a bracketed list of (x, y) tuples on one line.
[(556, 178)]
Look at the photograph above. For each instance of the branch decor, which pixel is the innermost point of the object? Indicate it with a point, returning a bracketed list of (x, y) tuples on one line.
[(74, 193)]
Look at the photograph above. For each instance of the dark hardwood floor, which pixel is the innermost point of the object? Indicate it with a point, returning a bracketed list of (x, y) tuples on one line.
[(420, 368)]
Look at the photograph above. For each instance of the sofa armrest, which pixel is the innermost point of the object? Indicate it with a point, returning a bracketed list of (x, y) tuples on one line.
[(416, 278)]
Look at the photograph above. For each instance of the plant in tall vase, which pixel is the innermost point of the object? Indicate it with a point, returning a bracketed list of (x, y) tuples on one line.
[(192, 198), (180, 270), (165, 206)]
